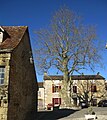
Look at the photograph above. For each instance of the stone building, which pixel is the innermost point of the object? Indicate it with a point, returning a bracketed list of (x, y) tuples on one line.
[(83, 87), (41, 96), (18, 94)]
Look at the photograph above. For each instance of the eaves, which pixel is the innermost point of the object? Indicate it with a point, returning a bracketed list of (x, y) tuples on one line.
[(6, 50)]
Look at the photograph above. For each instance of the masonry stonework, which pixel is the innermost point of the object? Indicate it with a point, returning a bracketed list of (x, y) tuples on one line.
[(18, 93), (22, 85)]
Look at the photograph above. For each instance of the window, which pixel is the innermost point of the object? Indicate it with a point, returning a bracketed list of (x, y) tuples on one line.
[(93, 88), (56, 88), (56, 101), (39, 93), (2, 72), (74, 89), (105, 86), (94, 102)]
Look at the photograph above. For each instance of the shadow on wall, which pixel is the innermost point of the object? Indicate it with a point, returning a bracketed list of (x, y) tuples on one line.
[(54, 115)]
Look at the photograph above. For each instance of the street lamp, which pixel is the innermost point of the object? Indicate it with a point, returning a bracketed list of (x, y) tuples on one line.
[(106, 45)]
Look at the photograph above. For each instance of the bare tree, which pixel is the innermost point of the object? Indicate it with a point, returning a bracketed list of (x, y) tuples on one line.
[(67, 44), (89, 90)]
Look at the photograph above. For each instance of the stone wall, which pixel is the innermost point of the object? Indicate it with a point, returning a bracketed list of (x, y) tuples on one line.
[(4, 61), (22, 83)]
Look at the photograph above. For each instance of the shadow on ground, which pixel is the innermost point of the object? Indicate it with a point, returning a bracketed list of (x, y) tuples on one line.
[(55, 114)]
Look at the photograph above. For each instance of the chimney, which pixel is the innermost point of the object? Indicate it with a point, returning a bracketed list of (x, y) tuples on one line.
[(98, 73), (1, 34)]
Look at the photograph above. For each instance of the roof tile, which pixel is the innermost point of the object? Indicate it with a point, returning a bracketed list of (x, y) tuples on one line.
[(15, 34), (74, 77)]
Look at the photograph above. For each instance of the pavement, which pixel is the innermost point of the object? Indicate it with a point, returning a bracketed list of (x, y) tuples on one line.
[(72, 114), (101, 114), (99, 117)]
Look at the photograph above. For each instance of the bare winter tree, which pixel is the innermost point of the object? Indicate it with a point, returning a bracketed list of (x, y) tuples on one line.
[(67, 44), (87, 92)]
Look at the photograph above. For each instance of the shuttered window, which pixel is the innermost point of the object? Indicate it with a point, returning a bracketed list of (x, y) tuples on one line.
[(74, 89), (56, 101), (105, 86), (93, 88), (56, 88)]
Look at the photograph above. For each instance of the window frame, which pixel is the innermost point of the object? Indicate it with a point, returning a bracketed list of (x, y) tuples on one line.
[(56, 88), (93, 88), (106, 86), (39, 93), (74, 89), (56, 101), (2, 75)]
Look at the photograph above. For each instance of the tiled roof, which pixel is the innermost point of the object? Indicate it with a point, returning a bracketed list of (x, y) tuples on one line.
[(40, 84), (13, 36), (74, 77)]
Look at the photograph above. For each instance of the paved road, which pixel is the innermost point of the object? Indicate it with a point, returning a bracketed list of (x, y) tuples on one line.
[(72, 114), (54, 115), (101, 113)]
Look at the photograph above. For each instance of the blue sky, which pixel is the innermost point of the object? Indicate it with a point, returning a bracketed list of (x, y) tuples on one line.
[(37, 14)]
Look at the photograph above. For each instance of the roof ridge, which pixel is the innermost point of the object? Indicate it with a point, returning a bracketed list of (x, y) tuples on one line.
[(74, 77)]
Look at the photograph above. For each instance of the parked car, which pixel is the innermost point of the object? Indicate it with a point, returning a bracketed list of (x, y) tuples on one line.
[(56, 107), (50, 106), (102, 103), (84, 105)]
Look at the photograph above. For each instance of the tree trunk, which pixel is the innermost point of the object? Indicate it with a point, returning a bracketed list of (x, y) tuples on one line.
[(65, 68), (66, 76), (65, 92)]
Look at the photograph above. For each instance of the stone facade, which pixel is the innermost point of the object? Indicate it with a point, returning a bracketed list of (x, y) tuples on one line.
[(49, 94), (94, 89), (4, 61), (80, 85), (20, 80), (41, 96)]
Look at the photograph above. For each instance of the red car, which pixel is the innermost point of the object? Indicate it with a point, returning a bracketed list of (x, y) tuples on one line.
[(50, 106)]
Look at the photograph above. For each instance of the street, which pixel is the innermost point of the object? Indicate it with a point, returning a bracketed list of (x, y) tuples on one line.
[(72, 114)]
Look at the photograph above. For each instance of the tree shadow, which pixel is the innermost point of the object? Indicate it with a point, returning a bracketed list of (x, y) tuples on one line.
[(55, 114)]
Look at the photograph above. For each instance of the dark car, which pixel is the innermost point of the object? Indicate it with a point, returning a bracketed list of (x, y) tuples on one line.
[(83, 105), (102, 103)]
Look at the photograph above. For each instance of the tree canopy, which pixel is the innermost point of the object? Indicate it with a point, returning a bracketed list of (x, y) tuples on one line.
[(67, 44)]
